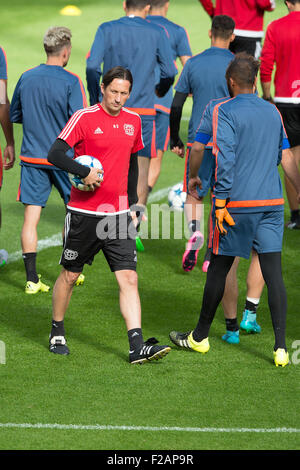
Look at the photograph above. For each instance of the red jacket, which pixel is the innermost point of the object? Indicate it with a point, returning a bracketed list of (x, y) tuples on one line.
[(282, 46), (247, 14)]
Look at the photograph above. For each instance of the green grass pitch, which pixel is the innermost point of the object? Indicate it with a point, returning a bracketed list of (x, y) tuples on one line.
[(232, 387)]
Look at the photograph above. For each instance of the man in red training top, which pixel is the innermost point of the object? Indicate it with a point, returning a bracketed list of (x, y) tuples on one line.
[(100, 219), (281, 47), (248, 16)]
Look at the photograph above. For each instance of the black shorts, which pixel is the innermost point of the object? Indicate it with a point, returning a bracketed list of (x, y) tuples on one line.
[(86, 235), (291, 119), (251, 46)]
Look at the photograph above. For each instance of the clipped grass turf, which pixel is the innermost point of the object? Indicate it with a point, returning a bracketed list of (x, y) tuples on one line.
[(230, 387)]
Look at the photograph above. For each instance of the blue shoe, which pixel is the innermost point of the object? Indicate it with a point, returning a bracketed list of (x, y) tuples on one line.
[(231, 337), (249, 322)]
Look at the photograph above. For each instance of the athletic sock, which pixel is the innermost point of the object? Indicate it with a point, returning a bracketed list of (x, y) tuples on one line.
[(139, 210), (135, 338), (207, 254), (58, 328), (149, 189), (30, 267), (194, 226), (294, 215), (201, 330), (251, 305), (231, 324), (213, 293)]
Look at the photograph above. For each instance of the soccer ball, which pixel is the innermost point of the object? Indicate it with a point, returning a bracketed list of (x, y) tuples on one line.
[(176, 197), (89, 161)]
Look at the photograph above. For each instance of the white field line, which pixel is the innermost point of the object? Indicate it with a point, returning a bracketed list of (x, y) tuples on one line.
[(160, 194), (98, 427), (56, 240)]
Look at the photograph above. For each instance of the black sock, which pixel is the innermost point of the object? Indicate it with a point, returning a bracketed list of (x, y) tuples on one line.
[(201, 331), (149, 189), (231, 324), (135, 338), (194, 226), (270, 264), (213, 293), (251, 306), (58, 328), (207, 254), (30, 266), (139, 210), (294, 215)]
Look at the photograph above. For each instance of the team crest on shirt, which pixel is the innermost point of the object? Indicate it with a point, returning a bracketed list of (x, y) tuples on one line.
[(70, 255), (129, 129)]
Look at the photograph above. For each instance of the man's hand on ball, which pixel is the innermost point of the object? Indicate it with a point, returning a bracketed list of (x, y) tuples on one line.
[(94, 178)]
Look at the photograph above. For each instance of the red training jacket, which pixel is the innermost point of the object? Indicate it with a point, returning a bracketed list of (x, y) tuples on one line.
[(282, 46), (247, 14)]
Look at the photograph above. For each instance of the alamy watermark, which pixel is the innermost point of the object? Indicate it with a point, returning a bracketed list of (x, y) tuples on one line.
[(2, 353), (160, 222), (295, 357)]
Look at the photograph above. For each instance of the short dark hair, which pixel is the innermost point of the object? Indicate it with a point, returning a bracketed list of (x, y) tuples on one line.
[(137, 4), (243, 69), (158, 3), (293, 1), (222, 26), (120, 73)]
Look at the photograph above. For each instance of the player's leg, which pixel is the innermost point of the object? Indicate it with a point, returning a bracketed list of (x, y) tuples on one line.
[(140, 351), (154, 169), (142, 186), (291, 193), (213, 293), (291, 118), (61, 181), (62, 292), (268, 244), (120, 252), (3, 253), (229, 304), (237, 242), (225, 250), (271, 268), (162, 131), (35, 187), (144, 158), (255, 285), (81, 244), (145, 155), (129, 298), (194, 210), (206, 259), (29, 241)]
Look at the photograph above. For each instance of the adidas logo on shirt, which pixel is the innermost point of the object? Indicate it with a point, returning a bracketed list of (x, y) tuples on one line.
[(98, 131)]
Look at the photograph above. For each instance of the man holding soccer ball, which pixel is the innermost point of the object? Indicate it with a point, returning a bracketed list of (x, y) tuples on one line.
[(100, 219)]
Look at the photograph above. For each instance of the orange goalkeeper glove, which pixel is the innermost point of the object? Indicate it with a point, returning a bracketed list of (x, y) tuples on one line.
[(221, 214)]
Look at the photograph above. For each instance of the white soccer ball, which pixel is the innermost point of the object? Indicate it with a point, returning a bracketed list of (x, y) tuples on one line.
[(91, 162), (176, 197)]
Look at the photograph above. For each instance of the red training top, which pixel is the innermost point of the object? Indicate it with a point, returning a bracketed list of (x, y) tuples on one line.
[(112, 140), (247, 14), (282, 46)]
